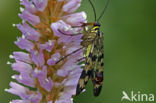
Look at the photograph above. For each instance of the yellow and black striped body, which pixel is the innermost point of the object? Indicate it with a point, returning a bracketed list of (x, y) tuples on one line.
[(94, 55)]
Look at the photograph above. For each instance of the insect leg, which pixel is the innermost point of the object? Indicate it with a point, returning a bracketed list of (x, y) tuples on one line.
[(69, 55), (84, 28), (89, 24), (69, 34), (84, 24), (81, 59)]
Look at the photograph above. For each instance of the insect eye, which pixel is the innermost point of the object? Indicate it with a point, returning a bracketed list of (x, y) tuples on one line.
[(97, 24)]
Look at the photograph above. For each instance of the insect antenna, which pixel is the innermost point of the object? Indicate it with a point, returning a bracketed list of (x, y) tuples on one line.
[(93, 9), (103, 10)]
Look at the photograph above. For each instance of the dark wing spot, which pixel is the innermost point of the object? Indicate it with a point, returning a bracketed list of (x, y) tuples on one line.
[(94, 58), (98, 33), (97, 90), (90, 55), (87, 63), (102, 56), (101, 47), (102, 64), (92, 73), (96, 29), (83, 74), (78, 89)]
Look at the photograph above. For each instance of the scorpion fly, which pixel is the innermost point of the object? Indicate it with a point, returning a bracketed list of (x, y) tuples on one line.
[(92, 41)]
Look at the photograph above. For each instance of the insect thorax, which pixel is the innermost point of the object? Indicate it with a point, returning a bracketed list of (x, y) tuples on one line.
[(90, 36)]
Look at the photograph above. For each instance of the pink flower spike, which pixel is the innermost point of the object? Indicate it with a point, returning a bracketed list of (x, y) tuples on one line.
[(54, 58), (24, 44), (22, 67), (17, 89), (28, 5), (48, 46), (37, 57), (76, 19), (28, 32), (19, 101), (32, 19), (21, 56), (71, 6), (47, 37), (40, 4)]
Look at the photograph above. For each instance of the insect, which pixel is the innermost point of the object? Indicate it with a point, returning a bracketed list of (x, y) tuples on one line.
[(92, 41)]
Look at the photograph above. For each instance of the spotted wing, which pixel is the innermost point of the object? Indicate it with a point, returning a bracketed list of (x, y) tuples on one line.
[(90, 61), (97, 74)]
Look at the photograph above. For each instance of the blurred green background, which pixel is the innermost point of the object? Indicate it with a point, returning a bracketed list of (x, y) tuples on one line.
[(129, 28)]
